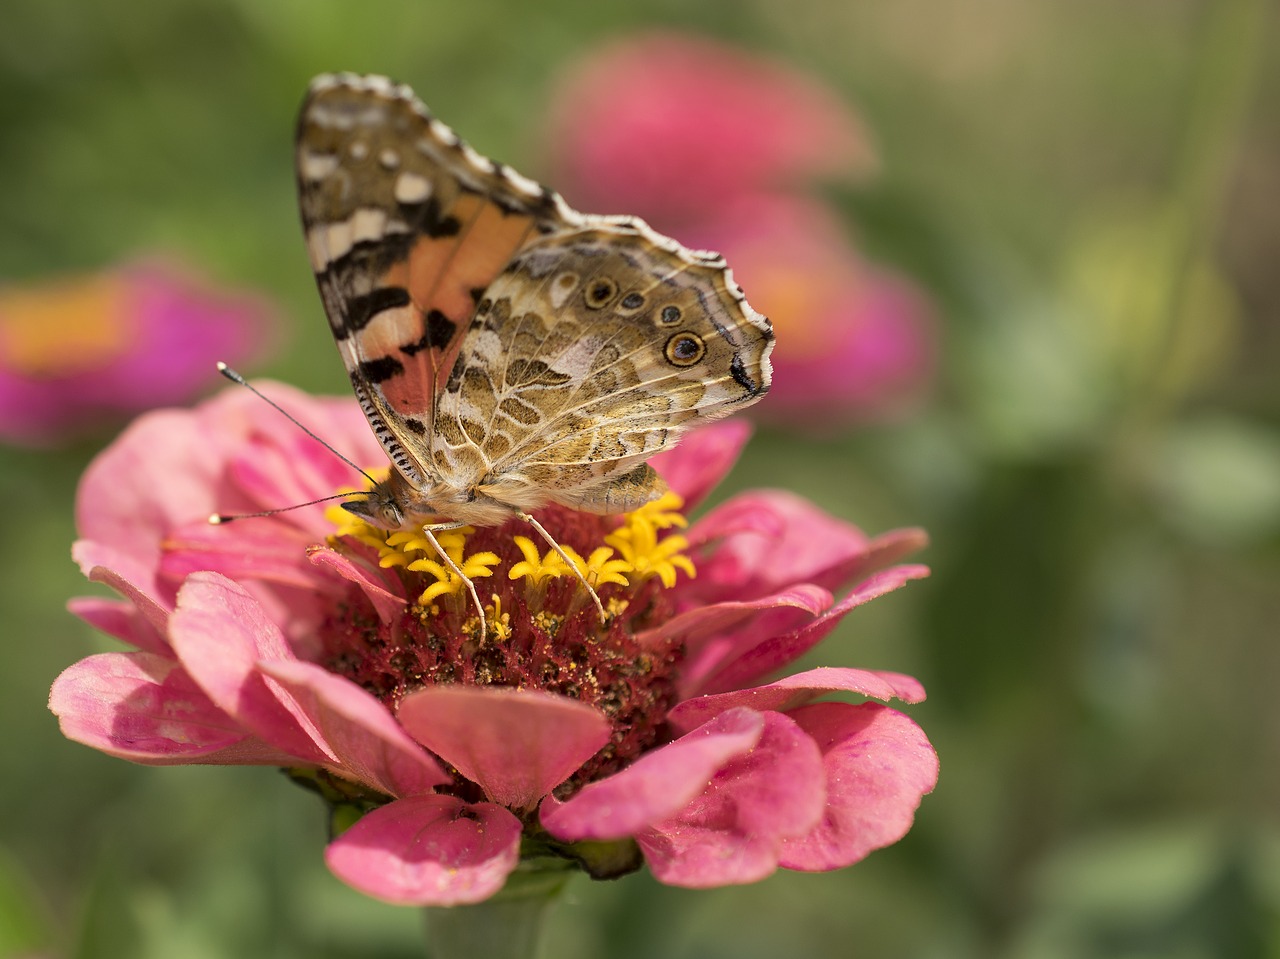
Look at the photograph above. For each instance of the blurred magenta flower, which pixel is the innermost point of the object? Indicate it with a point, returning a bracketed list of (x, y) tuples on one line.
[(352, 657), (717, 146), (83, 351), (668, 126)]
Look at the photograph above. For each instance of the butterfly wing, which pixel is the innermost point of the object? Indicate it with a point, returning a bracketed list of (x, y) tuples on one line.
[(406, 226), (501, 344), (594, 349)]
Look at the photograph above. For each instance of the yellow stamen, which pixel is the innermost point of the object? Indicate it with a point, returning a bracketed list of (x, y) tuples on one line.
[(535, 567), (475, 566), (636, 540), (499, 622)]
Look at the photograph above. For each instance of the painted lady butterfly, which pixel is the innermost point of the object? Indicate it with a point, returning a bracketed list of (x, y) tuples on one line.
[(508, 351)]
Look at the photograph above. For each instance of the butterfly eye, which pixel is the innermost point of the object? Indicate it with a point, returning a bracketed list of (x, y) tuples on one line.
[(670, 315), (601, 292), (685, 349)]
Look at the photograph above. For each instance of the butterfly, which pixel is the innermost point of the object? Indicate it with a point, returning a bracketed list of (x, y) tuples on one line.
[(508, 351)]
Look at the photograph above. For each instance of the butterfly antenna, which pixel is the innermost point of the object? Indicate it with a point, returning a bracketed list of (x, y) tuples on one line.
[(219, 519), (235, 377)]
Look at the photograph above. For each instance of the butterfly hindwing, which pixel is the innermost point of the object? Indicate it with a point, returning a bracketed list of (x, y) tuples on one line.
[(593, 350)]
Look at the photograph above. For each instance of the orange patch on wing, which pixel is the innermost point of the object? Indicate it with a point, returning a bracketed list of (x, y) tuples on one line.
[(440, 274), (444, 271)]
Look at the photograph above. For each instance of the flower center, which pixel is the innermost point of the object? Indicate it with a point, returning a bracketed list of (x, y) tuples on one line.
[(543, 632), (63, 328)]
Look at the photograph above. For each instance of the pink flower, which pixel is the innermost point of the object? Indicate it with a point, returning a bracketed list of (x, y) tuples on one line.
[(665, 125), (715, 146), (340, 654), (79, 352)]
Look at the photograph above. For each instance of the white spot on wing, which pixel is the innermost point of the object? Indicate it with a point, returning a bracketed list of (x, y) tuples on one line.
[(368, 223), (412, 188), (316, 166)]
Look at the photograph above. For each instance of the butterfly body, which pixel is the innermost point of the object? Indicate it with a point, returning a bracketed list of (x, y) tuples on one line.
[(508, 351)]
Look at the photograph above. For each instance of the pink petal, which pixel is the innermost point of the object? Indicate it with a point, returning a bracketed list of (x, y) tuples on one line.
[(144, 708), (428, 851), (388, 605), (817, 547), (694, 626), (657, 785), (369, 744), (113, 506), (129, 578), (772, 653), (258, 548), (517, 745), (732, 833), (219, 634), (879, 764), (797, 690), (120, 619), (702, 459)]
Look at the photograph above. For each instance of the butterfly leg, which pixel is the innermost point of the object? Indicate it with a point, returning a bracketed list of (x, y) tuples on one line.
[(550, 540), (429, 532)]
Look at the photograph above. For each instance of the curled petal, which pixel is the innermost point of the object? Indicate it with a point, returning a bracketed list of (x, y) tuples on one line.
[(798, 690), (120, 619), (656, 786), (386, 604), (517, 745), (878, 766), (694, 626), (767, 540), (428, 851), (746, 662), (367, 741), (733, 831), (128, 577), (144, 708), (220, 633)]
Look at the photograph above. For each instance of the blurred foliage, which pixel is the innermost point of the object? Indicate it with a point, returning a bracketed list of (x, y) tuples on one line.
[(1090, 191)]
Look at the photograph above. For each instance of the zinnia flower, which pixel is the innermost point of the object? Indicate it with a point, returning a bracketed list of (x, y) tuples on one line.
[(82, 351), (667, 125), (352, 658), (719, 147)]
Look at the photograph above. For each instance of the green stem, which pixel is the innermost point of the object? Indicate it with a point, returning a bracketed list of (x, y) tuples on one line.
[(507, 926)]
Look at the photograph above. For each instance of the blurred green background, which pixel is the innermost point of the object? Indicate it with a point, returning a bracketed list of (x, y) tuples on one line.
[(1089, 191)]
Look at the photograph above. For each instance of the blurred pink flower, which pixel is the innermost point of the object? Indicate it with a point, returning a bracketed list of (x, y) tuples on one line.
[(715, 145), (667, 125), (287, 642), (83, 351)]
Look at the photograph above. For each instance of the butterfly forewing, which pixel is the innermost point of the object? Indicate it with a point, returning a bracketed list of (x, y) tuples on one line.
[(405, 227)]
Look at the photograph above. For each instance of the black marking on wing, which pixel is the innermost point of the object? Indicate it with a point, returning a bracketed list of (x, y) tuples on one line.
[(428, 218), (414, 425), (436, 336), (739, 371), (381, 369), (361, 309)]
